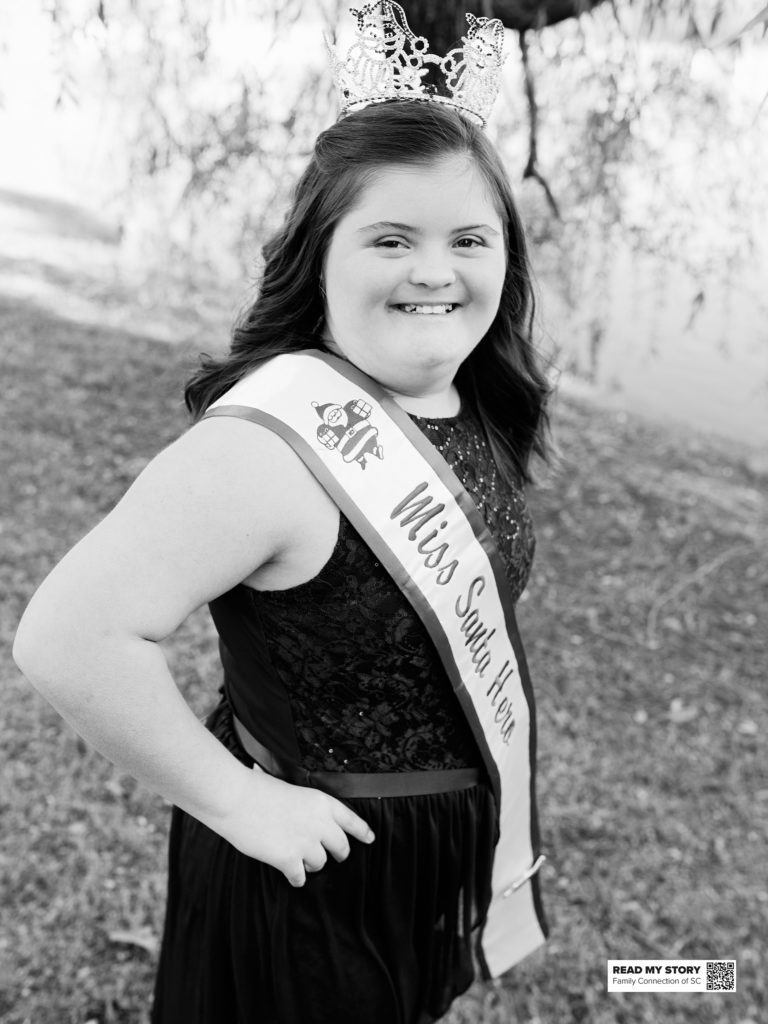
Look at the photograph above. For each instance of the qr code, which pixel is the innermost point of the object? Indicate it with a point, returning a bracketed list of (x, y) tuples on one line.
[(721, 975)]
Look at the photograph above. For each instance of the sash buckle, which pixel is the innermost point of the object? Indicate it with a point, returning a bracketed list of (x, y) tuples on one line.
[(518, 883)]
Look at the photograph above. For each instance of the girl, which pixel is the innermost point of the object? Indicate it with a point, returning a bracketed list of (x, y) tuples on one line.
[(333, 837)]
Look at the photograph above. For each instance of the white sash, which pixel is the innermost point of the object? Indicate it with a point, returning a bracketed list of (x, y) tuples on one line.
[(406, 503)]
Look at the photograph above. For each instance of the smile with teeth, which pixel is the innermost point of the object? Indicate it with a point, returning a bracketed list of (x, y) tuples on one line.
[(433, 310)]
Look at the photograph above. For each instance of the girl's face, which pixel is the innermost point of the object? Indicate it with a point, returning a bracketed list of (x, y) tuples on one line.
[(414, 274)]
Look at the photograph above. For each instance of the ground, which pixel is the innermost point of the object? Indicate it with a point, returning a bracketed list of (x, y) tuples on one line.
[(645, 628)]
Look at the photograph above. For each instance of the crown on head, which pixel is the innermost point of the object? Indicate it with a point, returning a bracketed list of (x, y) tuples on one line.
[(388, 61)]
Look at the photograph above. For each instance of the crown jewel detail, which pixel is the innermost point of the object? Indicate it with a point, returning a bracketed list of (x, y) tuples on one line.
[(388, 61)]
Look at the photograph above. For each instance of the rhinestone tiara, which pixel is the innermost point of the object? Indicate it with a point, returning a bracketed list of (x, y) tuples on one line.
[(388, 61)]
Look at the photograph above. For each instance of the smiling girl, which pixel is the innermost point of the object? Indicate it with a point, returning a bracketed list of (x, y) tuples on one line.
[(425, 248), (336, 820)]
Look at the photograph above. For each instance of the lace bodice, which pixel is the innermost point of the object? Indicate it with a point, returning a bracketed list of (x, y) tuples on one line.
[(366, 687)]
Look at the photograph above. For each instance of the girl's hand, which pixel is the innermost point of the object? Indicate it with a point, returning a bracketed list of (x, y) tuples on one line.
[(293, 828)]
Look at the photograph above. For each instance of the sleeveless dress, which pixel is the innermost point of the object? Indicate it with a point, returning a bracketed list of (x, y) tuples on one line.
[(387, 936)]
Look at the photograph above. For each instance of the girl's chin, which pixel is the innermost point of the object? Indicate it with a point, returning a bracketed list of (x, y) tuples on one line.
[(421, 379)]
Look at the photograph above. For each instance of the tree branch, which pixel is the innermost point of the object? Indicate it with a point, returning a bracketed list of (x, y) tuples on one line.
[(523, 15), (531, 168)]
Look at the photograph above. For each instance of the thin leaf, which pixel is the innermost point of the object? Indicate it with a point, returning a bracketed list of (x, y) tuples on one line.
[(759, 19), (681, 713), (144, 938)]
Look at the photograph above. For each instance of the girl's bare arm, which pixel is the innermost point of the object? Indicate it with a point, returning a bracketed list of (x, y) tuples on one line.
[(205, 513)]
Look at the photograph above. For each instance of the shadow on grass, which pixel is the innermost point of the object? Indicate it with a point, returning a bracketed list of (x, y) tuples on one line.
[(59, 218), (52, 273)]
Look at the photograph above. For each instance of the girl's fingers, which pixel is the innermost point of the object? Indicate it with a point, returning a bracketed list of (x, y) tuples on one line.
[(339, 849), (296, 875), (353, 825), (336, 843), (348, 824), (315, 861), (294, 828)]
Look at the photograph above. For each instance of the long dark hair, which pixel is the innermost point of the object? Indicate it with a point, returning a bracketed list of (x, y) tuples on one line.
[(501, 379)]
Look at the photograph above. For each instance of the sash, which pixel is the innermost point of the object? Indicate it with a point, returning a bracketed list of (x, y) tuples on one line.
[(414, 514)]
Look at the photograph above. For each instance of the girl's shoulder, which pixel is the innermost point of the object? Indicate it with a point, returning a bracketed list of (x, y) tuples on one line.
[(260, 381)]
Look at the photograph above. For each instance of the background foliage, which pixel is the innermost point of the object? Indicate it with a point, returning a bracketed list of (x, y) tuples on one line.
[(650, 141)]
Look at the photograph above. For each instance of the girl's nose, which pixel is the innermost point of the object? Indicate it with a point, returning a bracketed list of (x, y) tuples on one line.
[(432, 270)]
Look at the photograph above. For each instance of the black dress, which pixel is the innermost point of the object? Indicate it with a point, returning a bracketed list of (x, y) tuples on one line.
[(387, 936)]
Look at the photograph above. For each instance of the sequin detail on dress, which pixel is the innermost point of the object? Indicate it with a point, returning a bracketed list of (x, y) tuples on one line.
[(367, 689)]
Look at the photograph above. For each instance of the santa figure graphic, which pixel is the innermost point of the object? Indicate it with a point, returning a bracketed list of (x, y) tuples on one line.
[(349, 430)]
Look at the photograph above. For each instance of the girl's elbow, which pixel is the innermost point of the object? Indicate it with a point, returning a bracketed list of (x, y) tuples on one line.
[(41, 646), (32, 646)]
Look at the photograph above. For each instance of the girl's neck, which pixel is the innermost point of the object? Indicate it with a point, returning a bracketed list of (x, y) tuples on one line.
[(441, 405)]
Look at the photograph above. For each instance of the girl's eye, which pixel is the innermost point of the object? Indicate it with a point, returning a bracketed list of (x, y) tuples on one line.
[(469, 242), (389, 243)]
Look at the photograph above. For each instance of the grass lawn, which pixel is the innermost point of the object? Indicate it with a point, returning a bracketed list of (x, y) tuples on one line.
[(645, 628)]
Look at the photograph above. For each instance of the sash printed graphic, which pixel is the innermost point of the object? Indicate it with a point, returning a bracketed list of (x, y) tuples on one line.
[(348, 430), (422, 525)]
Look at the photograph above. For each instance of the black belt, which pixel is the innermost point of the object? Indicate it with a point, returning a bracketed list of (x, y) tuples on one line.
[(352, 784)]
